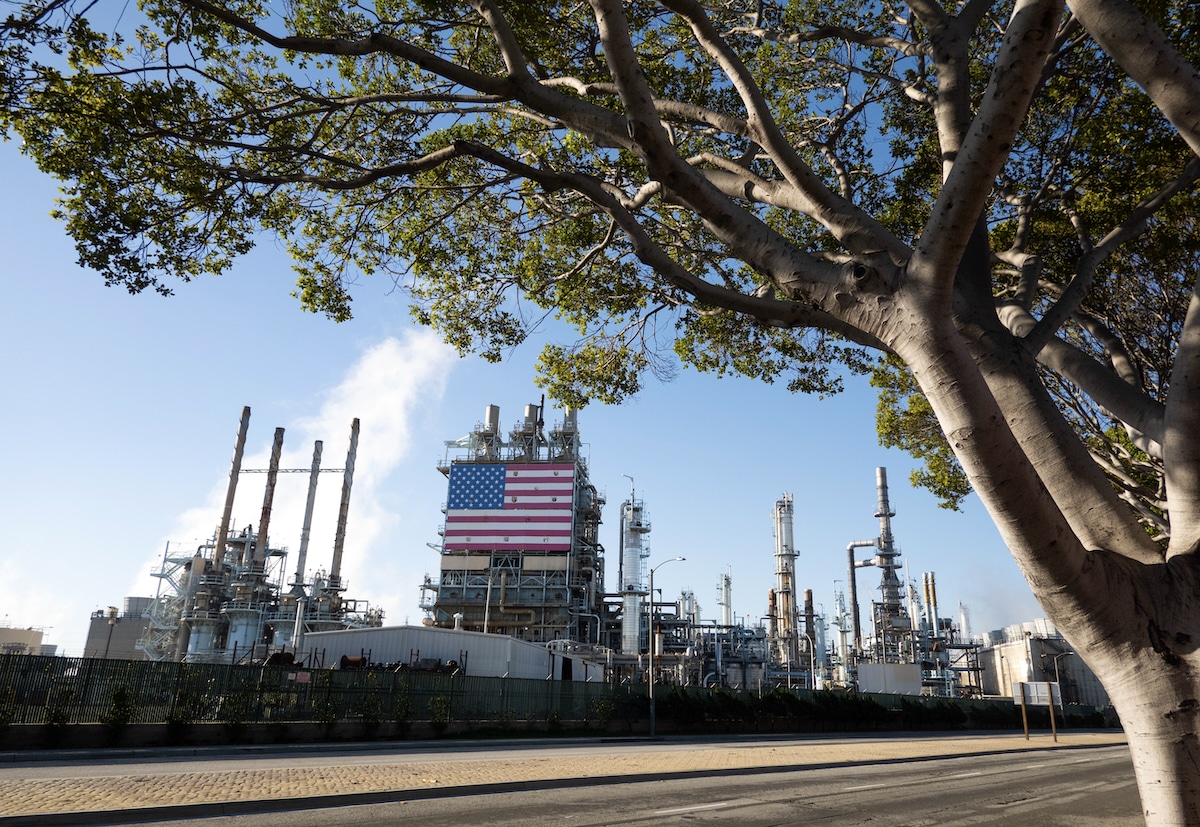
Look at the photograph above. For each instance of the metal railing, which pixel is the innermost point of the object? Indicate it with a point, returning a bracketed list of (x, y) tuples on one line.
[(52, 690), (61, 691)]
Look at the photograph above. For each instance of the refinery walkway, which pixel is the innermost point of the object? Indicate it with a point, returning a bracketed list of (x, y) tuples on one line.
[(98, 787)]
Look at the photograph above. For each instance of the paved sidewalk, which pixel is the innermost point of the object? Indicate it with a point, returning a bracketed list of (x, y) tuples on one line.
[(39, 794)]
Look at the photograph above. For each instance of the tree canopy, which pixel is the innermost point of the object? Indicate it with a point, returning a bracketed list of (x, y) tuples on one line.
[(996, 199), (484, 161)]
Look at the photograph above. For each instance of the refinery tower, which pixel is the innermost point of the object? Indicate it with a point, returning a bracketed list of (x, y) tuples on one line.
[(519, 553), (228, 602)]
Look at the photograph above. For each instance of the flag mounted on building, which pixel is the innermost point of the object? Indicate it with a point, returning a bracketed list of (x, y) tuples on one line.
[(510, 506)]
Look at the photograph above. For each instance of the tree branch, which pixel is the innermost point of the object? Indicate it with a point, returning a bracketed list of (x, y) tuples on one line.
[(1065, 467), (859, 232), (756, 243), (402, 168), (1138, 221), (1041, 539), (960, 204), (771, 311), (1115, 394), (1142, 49), (1181, 444)]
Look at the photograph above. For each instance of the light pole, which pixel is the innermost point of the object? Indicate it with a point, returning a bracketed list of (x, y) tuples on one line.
[(113, 620), (651, 681), (1062, 702)]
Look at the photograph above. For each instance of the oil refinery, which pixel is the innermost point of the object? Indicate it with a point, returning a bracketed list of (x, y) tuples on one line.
[(227, 601), (520, 589), (519, 555)]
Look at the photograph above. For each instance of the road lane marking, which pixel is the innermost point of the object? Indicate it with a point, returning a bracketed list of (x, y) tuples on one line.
[(966, 775), (714, 806), (863, 787)]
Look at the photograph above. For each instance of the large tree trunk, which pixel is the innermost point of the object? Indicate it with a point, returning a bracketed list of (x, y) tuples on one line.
[(1143, 645), (1156, 698), (1130, 612)]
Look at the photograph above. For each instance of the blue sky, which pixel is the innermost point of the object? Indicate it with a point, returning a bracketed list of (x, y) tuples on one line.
[(121, 411)]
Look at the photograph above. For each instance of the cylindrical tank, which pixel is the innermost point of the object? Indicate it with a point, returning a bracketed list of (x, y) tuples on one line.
[(687, 606), (244, 632), (137, 606), (491, 419), (203, 638), (754, 676)]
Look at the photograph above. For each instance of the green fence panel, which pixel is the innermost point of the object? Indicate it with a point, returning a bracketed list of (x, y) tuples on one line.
[(59, 691)]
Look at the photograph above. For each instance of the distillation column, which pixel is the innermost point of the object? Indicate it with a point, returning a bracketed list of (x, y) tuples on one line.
[(634, 526), (785, 619), (725, 598), (891, 620), (890, 586), (244, 613)]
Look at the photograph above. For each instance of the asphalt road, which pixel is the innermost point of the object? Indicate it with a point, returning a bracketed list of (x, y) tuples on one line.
[(1092, 787)]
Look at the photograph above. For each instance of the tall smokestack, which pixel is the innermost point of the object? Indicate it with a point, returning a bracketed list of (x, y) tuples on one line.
[(226, 515), (339, 541), (260, 543), (933, 602), (306, 529)]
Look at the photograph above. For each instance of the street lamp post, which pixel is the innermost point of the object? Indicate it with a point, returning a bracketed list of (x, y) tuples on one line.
[(1062, 702), (113, 620), (651, 662)]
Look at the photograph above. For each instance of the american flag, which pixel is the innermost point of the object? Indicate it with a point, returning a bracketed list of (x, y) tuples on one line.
[(513, 506)]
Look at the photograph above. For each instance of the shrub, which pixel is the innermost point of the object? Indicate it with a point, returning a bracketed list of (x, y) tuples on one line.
[(600, 710), (439, 713), (120, 710), (402, 713)]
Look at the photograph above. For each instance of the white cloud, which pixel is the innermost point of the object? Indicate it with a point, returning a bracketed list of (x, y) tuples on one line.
[(390, 386)]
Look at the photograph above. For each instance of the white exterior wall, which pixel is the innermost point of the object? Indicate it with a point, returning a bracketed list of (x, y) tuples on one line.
[(1032, 660), (890, 678), (479, 654), (20, 641)]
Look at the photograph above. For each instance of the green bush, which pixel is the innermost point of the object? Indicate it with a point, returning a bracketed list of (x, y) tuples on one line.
[(931, 715), (402, 713), (439, 713), (58, 712), (600, 710), (120, 710), (238, 709)]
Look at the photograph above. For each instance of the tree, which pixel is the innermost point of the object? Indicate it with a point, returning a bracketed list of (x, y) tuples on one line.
[(998, 196)]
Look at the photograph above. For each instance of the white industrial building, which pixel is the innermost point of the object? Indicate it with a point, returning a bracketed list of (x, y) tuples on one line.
[(434, 649), (1036, 652)]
